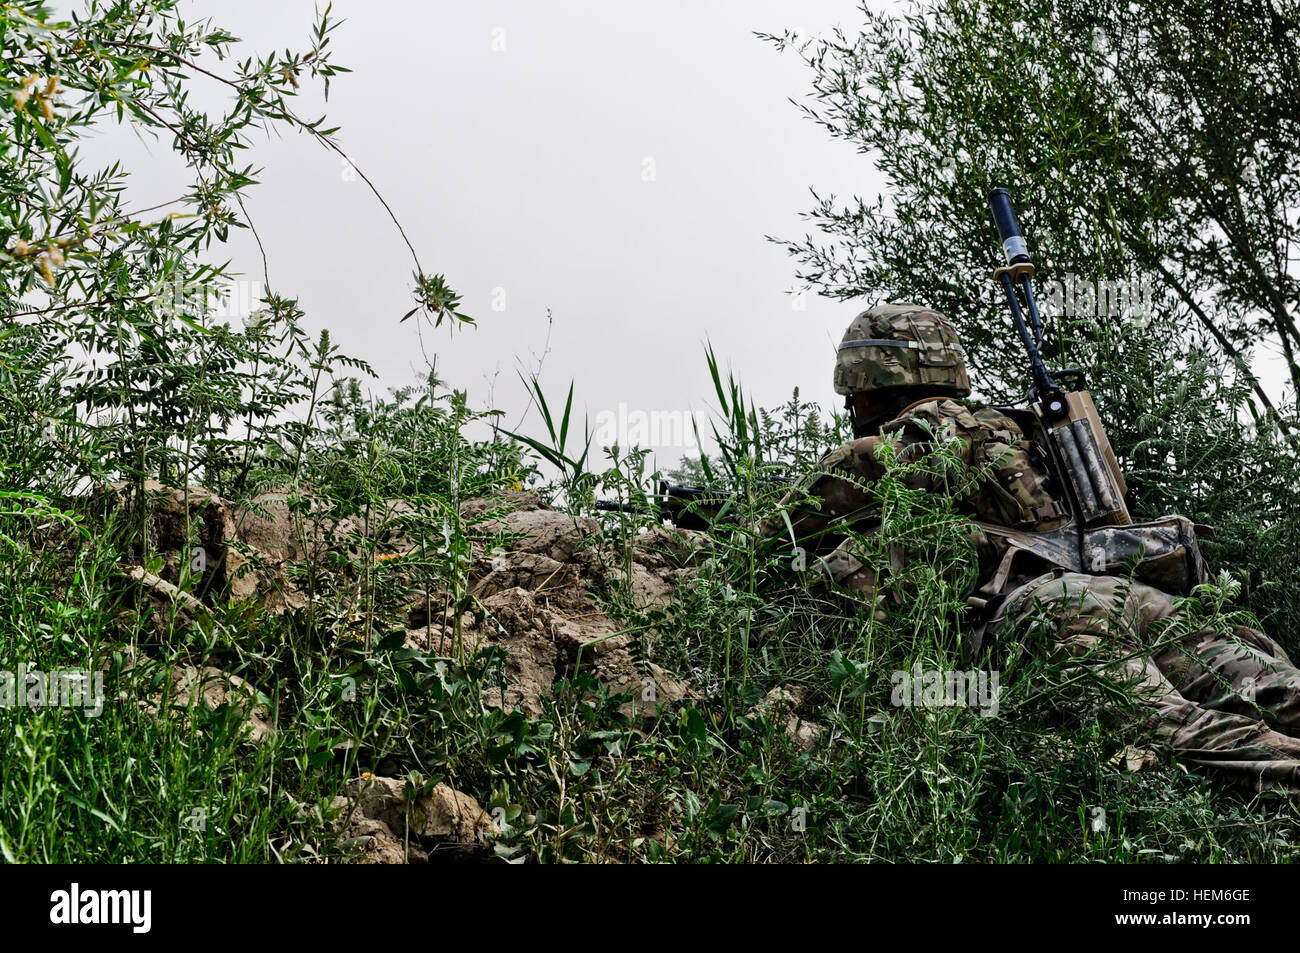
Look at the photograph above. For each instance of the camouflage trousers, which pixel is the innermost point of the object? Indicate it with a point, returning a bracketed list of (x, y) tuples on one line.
[(1226, 697)]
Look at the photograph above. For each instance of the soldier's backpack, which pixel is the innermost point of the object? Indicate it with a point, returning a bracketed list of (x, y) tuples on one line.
[(1162, 553)]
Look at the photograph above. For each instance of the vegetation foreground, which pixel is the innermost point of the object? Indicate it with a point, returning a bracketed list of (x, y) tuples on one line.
[(322, 626)]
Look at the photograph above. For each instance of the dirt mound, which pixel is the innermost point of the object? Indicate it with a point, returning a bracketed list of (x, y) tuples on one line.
[(535, 582), (543, 645), (212, 688), (536, 592), (380, 818), (221, 549)]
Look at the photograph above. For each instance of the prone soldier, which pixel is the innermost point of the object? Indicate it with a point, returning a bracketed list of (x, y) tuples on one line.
[(1224, 698)]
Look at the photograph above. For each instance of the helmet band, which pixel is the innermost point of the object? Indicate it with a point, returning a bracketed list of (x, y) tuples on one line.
[(879, 342)]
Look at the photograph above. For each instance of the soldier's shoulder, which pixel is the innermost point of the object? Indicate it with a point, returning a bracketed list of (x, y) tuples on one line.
[(841, 453), (960, 410), (1000, 418)]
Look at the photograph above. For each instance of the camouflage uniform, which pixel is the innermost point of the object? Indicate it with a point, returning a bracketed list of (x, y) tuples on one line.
[(1230, 701), (1014, 494), (1227, 699)]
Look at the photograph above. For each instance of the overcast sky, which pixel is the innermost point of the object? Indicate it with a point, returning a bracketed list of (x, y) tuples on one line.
[(619, 164)]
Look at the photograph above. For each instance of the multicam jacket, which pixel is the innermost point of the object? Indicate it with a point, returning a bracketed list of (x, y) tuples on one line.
[(999, 476), (1007, 481), (1228, 700)]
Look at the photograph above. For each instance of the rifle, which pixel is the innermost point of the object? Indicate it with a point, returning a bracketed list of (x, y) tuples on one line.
[(687, 507), (1075, 439)]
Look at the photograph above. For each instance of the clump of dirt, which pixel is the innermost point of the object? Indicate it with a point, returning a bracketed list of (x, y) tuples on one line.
[(782, 705), (210, 687), (390, 825)]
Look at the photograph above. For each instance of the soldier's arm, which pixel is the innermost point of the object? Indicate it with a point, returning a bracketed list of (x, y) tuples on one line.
[(841, 490), (837, 491), (935, 446)]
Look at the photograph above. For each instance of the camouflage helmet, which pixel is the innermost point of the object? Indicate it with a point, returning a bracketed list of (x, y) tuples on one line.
[(896, 346)]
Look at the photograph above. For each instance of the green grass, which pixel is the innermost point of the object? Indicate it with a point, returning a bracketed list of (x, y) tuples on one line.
[(709, 781)]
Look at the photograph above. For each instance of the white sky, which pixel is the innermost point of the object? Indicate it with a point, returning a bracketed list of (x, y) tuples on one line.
[(524, 170), (520, 174)]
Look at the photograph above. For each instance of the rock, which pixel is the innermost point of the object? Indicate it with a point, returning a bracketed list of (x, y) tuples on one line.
[(783, 698), (647, 587), (530, 674), (533, 592), (533, 658), (540, 529), (803, 735), (478, 508), (665, 546), (212, 688), (242, 550), (379, 818), (378, 844), (170, 511), (543, 551), (264, 528), (165, 596), (652, 689), (230, 550), (544, 645), (534, 600), (271, 536), (268, 523), (433, 639), (781, 705), (658, 564), (451, 815), (535, 572)]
